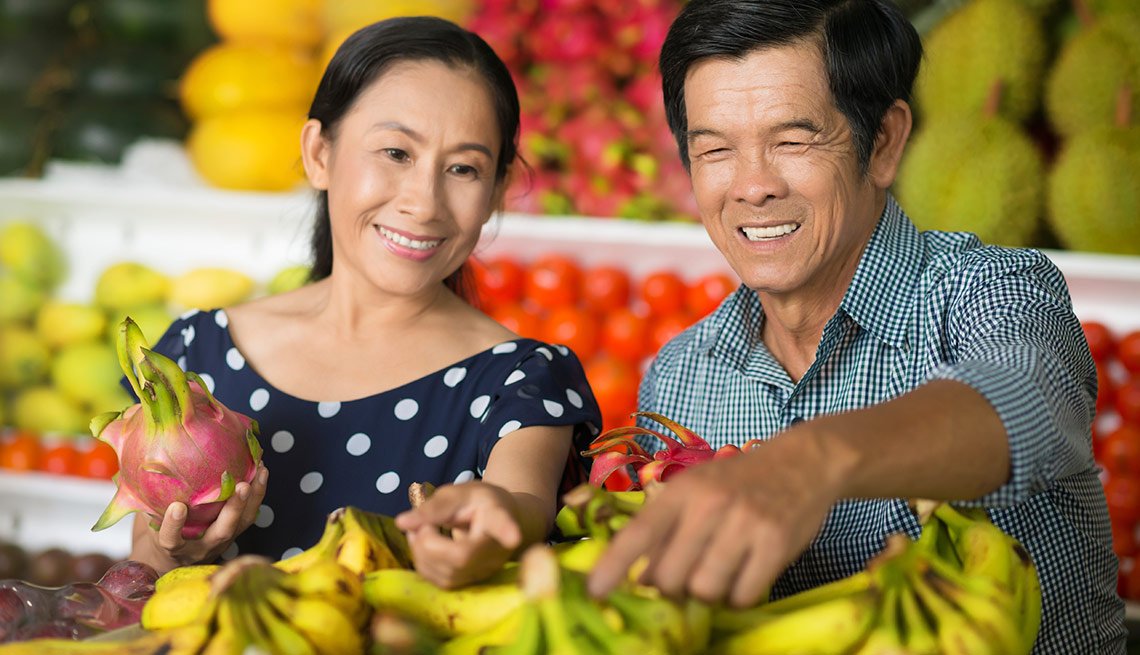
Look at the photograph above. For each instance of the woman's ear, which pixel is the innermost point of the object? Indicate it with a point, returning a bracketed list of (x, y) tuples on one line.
[(315, 154), (889, 144), (499, 196)]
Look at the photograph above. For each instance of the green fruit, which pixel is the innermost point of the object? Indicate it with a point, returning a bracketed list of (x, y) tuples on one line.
[(289, 278), (21, 299), (151, 319), (114, 400), (86, 372), (1085, 82), (30, 254), (24, 358), (210, 288), (44, 409), (974, 174), (129, 284), (981, 43), (61, 324), (1094, 191)]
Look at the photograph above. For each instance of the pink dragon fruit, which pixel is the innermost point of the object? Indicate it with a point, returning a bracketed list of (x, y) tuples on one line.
[(179, 444)]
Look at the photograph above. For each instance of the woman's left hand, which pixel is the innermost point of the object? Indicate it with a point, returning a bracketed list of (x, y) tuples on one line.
[(463, 533)]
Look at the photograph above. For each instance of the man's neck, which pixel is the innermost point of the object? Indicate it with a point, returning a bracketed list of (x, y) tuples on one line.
[(793, 328)]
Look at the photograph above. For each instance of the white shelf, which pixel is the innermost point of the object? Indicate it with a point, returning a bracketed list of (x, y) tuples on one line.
[(40, 510)]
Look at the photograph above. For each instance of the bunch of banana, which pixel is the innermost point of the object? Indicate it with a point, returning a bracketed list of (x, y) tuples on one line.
[(359, 540), (395, 634), (249, 603), (556, 615), (183, 641), (588, 511), (447, 612)]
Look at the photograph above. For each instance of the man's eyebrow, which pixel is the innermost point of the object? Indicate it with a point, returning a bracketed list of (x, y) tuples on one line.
[(805, 124), (694, 134), (419, 138)]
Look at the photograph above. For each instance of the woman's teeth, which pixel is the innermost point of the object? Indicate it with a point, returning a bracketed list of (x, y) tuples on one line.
[(763, 233), (408, 243)]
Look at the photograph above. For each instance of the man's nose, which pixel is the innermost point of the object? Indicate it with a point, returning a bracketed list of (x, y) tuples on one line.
[(757, 180)]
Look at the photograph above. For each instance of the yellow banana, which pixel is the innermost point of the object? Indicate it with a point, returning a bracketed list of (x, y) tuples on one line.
[(326, 627), (181, 641), (229, 636), (884, 637), (382, 529), (984, 601), (177, 604), (726, 620), (581, 555), (183, 573), (920, 637), (957, 634), (327, 580), (324, 548), (504, 632), (449, 612), (528, 636), (394, 634), (1027, 600), (283, 638), (831, 626)]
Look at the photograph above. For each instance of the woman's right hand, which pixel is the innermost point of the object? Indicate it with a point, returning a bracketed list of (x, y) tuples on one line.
[(165, 548)]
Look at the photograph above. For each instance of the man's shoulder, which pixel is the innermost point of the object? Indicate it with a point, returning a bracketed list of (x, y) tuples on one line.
[(961, 259)]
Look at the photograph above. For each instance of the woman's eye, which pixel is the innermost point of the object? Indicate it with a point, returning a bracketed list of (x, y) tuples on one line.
[(465, 170), (396, 154)]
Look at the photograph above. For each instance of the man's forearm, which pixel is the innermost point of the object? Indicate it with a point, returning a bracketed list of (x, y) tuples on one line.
[(942, 441)]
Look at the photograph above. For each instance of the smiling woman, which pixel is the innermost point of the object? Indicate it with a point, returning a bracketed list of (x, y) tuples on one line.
[(379, 373)]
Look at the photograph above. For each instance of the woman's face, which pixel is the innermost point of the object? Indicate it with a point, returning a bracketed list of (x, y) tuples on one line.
[(410, 176)]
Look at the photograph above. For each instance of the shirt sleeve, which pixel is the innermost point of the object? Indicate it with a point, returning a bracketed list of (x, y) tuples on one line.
[(547, 387), (1013, 337), (172, 343)]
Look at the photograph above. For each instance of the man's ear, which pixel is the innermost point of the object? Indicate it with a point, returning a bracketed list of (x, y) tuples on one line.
[(315, 154), (889, 144)]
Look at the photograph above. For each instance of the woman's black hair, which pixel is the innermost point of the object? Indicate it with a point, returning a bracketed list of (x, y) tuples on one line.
[(367, 55), (869, 48)]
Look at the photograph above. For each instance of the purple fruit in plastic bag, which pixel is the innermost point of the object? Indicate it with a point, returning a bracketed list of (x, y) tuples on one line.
[(129, 579), (87, 603), (21, 602), (53, 629)]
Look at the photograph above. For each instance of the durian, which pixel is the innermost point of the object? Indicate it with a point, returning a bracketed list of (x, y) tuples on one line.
[(983, 41), (1082, 87)]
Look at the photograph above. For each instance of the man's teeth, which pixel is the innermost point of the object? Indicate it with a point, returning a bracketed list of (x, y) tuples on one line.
[(409, 243), (761, 233)]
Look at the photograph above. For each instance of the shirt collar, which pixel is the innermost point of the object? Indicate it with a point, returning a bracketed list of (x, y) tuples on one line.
[(879, 298)]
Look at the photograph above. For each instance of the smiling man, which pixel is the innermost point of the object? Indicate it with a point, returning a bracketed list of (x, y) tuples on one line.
[(879, 363)]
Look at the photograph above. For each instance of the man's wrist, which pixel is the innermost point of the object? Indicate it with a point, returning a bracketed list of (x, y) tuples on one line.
[(837, 461)]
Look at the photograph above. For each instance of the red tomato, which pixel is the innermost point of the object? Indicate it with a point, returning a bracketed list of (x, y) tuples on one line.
[(100, 462), (706, 293), (1122, 494), (499, 281), (665, 328), (21, 452), (1105, 389), (60, 459), (1128, 351), (614, 383), (1127, 400), (663, 292), (1100, 340), (518, 319), (553, 281), (573, 327), (605, 288), (1120, 451), (625, 335)]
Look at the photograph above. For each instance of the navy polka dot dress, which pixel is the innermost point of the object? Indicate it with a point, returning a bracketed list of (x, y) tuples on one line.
[(365, 452)]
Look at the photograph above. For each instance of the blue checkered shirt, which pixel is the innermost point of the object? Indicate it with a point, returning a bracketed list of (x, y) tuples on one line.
[(927, 306)]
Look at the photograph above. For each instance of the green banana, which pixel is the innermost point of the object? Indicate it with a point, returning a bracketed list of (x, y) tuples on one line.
[(884, 637), (831, 626), (394, 634), (590, 511), (528, 635), (920, 637), (449, 612), (581, 555), (504, 632)]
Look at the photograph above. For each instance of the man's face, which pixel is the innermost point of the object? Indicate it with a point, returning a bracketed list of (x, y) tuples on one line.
[(775, 172)]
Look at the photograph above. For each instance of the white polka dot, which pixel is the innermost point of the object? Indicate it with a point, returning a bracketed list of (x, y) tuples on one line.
[(504, 348), (234, 359), (514, 377), (358, 444), (258, 399), (574, 397), (291, 552), (187, 334), (264, 517), (328, 410), (435, 446), (465, 476), (406, 409), (311, 481), (553, 408), (545, 353), (208, 380), (388, 482), (281, 441), (454, 376), (222, 319), (563, 350), (479, 406), (187, 314), (182, 362), (230, 552), (509, 427)]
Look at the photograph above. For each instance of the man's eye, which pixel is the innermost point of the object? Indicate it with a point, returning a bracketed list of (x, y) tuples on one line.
[(792, 143)]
